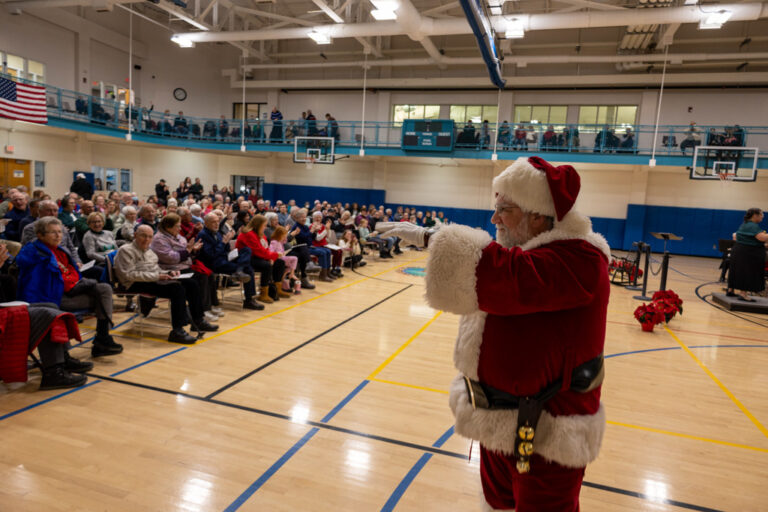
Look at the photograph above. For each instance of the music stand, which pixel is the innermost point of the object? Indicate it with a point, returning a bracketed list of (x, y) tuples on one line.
[(665, 262)]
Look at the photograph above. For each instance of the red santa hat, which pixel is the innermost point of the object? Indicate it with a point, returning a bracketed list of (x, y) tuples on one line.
[(537, 186)]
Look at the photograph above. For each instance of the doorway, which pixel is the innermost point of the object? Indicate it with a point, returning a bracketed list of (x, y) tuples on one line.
[(15, 173), (243, 184)]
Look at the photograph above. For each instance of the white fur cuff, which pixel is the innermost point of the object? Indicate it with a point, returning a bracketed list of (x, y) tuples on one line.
[(571, 441), (454, 253)]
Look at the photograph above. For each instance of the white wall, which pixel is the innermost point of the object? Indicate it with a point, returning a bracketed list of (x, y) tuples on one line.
[(606, 189)]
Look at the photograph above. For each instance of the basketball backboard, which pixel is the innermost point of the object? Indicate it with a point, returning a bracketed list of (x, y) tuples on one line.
[(314, 150), (726, 163)]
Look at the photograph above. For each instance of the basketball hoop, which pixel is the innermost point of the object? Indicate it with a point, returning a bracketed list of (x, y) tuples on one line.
[(726, 177), (310, 162)]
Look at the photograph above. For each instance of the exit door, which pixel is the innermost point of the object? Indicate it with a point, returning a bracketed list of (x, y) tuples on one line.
[(14, 173)]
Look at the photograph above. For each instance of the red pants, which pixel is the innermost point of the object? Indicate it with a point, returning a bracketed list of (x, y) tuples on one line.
[(548, 487)]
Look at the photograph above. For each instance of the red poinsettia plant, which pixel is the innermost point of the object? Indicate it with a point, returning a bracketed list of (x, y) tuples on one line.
[(669, 303), (649, 315)]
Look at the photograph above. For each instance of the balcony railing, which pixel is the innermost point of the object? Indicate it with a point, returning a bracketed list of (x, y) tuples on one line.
[(584, 138)]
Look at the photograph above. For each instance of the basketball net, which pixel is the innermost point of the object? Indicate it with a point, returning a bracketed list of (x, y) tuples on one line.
[(726, 178), (310, 162)]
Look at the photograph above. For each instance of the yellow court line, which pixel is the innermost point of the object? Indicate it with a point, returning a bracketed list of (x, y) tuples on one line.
[(719, 383), (403, 346), (688, 436), (413, 386), (269, 315), (614, 423)]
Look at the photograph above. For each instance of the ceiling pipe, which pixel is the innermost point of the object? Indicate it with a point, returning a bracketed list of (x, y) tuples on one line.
[(38, 4), (543, 82), (455, 26), (411, 21), (522, 59)]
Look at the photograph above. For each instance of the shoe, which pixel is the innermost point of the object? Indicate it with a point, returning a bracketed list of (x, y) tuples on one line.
[(283, 293), (203, 325), (306, 284), (105, 347), (264, 296), (746, 299), (250, 304), (730, 294), (210, 317), (324, 277), (73, 365), (58, 377), (241, 276), (217, 311), (181, 336), (313, 269), (398, 251), (337, 272), (385, 255), (362, 263)]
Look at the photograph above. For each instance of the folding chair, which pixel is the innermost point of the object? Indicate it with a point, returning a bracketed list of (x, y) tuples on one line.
[(139, 319)]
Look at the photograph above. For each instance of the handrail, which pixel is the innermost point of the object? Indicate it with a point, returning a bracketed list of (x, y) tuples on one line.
[(598, 138)]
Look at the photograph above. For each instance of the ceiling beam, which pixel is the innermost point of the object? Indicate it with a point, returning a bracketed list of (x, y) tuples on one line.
[(593, 5), (668, 34), (327, 10)]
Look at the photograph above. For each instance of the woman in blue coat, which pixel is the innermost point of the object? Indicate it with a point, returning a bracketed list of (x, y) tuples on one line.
[(48, 273)]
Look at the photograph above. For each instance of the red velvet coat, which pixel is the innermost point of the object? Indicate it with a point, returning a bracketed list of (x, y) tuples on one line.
[(530, 314), (258, 245)]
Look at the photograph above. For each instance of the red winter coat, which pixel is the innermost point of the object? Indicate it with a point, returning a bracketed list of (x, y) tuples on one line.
[(258, 245), (530, 315)]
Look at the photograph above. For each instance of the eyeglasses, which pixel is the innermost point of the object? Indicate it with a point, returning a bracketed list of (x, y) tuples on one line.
[(59, 233), (501, 209)]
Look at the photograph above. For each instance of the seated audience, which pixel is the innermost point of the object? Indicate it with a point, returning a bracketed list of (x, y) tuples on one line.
[(303, 237), (49, 273), (263, 260), (277, 245), (147, 217), (319, 241), (15, 214), (126, 225), (137, 269), (67, 215), (350, 247), (81, 224), (214, 255), (174, 253), (98, 241)]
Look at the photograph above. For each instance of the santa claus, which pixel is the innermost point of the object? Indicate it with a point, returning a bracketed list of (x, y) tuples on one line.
[(533, 308)]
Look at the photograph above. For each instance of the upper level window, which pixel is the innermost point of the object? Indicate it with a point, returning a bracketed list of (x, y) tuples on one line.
[(623, 116), (20, 67), (402, 112), (541, 114), (475, 113)]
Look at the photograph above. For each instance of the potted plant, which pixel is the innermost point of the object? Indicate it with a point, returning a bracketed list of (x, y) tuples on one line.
[(669, 303), (648, 315)]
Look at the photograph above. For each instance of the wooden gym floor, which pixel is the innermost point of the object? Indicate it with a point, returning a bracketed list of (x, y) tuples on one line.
[(336, 400)]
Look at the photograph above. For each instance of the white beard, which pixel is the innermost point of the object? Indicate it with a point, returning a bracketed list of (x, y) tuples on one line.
[(514, 238)]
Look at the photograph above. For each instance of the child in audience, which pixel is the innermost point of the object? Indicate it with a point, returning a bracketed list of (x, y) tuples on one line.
[(278, 238)]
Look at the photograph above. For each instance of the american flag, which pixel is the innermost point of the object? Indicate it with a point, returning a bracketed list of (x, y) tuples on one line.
[(22, 102)]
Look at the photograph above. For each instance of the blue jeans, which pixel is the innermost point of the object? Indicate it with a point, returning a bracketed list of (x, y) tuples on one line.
[(323, 256)]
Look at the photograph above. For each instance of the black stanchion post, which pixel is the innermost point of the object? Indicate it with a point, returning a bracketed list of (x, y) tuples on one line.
[(664, 268), (643, 296), (640, 248)]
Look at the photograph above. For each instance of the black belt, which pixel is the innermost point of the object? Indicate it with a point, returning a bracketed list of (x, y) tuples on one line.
[(584, 378)]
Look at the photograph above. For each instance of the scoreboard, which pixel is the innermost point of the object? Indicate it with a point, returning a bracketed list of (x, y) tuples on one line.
[(428, 135)]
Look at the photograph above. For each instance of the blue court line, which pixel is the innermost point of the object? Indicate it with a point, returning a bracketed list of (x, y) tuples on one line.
[(271, 471), (49, 399), (255, 486), (73, 390), (113, 328), (679, 348), (408, 479), (147, 362)]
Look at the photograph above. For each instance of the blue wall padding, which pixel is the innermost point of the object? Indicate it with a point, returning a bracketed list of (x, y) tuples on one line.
[(302, 193), (700, 227)]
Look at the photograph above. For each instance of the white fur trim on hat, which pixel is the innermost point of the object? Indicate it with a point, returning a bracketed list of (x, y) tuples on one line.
[(454, 253), (526, 186), (571, 441)]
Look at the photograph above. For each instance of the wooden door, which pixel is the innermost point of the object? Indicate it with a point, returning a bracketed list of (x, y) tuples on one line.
[(14, 173)]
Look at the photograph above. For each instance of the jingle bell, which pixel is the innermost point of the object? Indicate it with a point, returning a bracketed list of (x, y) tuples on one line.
[(526, 433), (525, 448), (523, 466)]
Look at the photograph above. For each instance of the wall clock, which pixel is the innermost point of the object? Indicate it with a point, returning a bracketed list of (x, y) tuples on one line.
[(180, 94)]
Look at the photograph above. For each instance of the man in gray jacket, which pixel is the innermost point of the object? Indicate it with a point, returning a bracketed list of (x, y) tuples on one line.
[(138, 271)]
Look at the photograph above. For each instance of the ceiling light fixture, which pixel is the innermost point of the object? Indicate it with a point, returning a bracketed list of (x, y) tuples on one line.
[(384, 9), (714, 20), (182, 41), (496, 7), (514, 29), (320, 37)]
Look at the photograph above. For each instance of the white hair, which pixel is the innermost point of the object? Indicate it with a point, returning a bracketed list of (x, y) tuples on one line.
[(195, 209), (128, 209)]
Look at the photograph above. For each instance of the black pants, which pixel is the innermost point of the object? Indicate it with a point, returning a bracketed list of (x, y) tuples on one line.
[(302, 253), (180, 292), (242, 264), (7, 288), (207, 284), (271, 272)]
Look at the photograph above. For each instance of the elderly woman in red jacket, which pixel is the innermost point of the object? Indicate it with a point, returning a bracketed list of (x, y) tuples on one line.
[(267, 263)]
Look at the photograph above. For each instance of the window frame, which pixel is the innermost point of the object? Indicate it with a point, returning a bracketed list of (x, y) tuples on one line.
[(483, 115), (399, 123), (595, 125)]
